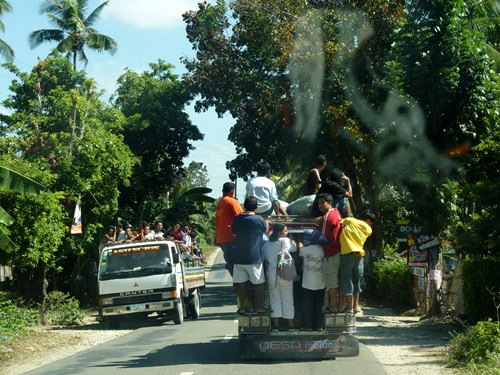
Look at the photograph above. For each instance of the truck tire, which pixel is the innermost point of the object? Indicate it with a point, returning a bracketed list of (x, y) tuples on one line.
[(194, 305), (179, 312), (113, 322)]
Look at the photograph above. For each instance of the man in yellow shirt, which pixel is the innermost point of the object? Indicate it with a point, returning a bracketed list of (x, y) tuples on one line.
[(353, 236)]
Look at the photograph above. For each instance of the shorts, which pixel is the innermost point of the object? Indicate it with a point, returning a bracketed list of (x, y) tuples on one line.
[(351, 273), (227, 250), (244, 272), (331, 267)]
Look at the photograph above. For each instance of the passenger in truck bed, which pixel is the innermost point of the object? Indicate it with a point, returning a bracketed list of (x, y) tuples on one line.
[(280, 290)]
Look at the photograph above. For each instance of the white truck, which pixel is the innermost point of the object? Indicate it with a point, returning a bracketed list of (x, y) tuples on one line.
[(140, 278), (256, 339)]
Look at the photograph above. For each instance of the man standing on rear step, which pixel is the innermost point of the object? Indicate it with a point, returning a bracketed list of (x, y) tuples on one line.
[(225, 211), (248, 229)]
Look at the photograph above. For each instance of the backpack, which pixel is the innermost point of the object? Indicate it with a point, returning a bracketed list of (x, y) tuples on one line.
[(285, 267)]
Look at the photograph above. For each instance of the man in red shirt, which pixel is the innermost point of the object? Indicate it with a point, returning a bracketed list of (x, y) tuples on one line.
[(225, 211), (331, 229)]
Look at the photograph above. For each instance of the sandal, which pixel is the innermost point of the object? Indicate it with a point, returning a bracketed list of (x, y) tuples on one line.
[(241, 312)]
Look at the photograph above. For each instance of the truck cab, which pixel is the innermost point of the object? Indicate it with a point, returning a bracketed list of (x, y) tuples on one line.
[(140, 278)]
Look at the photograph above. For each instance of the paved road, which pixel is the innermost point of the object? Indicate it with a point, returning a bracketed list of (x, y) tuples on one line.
[(205, 346)]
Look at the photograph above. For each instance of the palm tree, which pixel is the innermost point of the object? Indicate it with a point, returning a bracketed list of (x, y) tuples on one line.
[(73, 31), (5, 50)]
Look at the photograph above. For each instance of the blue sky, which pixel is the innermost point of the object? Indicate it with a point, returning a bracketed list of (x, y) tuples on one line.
[(145, 31)]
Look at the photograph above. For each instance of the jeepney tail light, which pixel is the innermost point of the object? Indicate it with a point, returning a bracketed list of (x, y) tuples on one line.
[(175, 293)]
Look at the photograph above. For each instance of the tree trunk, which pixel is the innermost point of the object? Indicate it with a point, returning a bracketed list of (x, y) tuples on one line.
[(435, 297), (42, 283)]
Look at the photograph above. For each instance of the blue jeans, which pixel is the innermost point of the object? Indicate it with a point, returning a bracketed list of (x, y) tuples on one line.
[(351, 272)]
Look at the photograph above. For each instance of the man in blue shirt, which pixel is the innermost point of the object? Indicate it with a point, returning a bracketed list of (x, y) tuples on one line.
[(248, 229)]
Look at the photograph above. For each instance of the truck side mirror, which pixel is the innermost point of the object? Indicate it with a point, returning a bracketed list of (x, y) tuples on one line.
[(93, 267), (175, 258)]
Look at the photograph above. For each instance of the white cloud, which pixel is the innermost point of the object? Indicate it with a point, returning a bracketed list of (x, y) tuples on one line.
[(149, 14)]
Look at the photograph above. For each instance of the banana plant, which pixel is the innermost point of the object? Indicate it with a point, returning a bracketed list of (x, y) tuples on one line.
[(12, 180)]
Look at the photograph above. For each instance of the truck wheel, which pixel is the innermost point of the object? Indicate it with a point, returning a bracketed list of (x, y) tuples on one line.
[(179, 312), (194, 305), (113, 322)]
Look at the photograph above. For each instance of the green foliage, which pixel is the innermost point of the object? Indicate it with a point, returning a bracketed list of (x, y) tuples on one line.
[(477, 350), (184, 204), (62, 309), (195, 175), (478, 232), (156, 129), (14, 319), (480, 273), (392, 281)]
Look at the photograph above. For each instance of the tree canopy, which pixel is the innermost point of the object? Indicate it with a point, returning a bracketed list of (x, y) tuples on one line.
[(156, 129), (387, 90)]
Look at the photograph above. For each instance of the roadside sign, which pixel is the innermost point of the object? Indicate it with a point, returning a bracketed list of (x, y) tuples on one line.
[(416, 257), (403, 227)]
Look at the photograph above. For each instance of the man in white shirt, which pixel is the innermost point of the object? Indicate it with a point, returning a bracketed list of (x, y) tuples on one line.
[(262, 188)]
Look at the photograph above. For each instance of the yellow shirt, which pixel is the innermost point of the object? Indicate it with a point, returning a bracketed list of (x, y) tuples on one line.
[(353, 236)]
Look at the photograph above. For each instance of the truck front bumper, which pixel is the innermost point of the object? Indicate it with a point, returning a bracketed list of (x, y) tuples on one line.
[(147, 307)]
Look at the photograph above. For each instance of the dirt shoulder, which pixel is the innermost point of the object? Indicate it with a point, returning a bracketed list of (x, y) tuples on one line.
[(406, 345)]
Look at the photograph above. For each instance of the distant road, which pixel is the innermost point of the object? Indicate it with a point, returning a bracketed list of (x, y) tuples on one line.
[(207, 346)]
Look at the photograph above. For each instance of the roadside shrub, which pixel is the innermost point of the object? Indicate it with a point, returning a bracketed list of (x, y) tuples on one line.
[(61, 309), (13, 319), (477, 349), (480, 273), (392, 281)]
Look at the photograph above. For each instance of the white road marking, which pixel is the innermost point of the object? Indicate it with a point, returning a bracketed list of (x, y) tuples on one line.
[(226, 339), (186, 373)]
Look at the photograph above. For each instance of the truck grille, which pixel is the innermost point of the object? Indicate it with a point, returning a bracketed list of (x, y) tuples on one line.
[(141, 298)]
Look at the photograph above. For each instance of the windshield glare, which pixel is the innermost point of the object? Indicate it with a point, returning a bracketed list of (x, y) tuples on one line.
[(135, 258)]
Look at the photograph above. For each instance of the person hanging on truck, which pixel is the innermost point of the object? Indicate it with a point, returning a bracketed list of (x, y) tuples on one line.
[(340, 195), (264, 190), (313, 179), (108, 239), (280, 290), (330, 228), (248, 228), (352, 238), (225, 211), (313, 280)]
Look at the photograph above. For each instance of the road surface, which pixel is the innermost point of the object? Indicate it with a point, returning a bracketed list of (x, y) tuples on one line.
[(207, 346)]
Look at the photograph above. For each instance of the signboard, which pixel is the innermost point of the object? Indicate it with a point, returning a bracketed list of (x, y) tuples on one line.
[(425, 241), (403, 227), (418, 271), (416, 257)]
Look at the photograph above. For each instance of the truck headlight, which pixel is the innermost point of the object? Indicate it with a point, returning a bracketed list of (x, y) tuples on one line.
[(167, 295), (107, 301)]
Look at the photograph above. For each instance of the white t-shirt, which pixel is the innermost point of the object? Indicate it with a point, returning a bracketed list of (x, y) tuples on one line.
[(312, 277), (121, 236), (270, 253), (264, 190)]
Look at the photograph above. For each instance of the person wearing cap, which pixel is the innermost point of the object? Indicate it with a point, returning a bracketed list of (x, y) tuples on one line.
[(352, 238)]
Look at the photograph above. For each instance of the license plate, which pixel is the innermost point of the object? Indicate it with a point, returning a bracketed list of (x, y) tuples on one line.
[(140, 306)]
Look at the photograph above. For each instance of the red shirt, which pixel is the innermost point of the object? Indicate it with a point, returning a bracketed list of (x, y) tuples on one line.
[(331, 229), (226, 210)]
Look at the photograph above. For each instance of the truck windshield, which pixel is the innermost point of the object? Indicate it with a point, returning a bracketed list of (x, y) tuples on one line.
[(135, 259)]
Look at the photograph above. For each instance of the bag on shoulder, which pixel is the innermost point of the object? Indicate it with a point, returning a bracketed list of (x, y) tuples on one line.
[(285, 267)]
